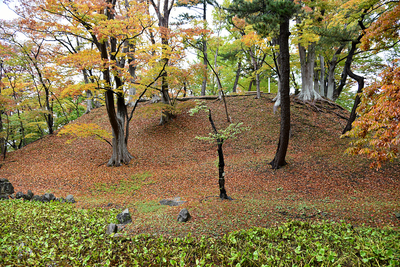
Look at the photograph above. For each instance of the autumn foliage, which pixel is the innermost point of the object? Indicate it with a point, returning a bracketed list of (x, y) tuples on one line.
[(377, 130)]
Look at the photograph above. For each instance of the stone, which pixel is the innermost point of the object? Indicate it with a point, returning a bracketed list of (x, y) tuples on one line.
[(172, 202), (111, 229), (124, 217), (184, 216), (70, 199), (47, 197), (4, 198), (37, 198), (397, 214), (6, 188), (29, 195), (19, 195)]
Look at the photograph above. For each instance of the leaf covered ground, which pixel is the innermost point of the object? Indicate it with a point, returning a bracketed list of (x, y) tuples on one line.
[(320, 182)]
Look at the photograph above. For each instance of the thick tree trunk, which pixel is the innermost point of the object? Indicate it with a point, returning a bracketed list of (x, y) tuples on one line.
[(117, 120), (279, 159), (307, 62), (331, 79)]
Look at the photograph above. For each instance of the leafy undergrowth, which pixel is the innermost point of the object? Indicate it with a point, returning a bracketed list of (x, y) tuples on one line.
[(320, 182), (55, 234)]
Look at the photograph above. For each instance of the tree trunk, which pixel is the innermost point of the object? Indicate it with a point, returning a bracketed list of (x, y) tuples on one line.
[(3, 147), (331, 75), (89, 95), (49, 108), (166, 115), (257, 80), (279, 159), (117, 119), (221, 163), (322, 84), (235, 84), (205, 59), (360, 81), (316, 80), (120, 153), (131, 48), (307, 62), (250, 85)]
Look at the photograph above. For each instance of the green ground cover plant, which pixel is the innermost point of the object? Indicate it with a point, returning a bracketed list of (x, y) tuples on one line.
[(56, 234)]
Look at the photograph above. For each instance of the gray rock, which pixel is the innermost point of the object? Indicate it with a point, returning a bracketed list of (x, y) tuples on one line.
[(37, 198), (19, 195), (4, 198), (172, 202), (184, 216), (124, 217), (48, 197), (397, 214), (70, 199), (6, 188), (29, 195), (111, 229)]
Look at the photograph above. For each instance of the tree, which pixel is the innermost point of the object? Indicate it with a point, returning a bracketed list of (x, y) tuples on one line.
[(107, 26), (193, 4), (163, 11), (219, 137), (307, 47), (265, 15), (377, 130)]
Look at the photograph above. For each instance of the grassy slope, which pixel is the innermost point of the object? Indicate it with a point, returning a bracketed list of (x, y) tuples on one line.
[(320, 182)]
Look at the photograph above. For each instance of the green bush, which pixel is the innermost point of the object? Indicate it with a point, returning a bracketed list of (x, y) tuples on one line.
[(44, 234)]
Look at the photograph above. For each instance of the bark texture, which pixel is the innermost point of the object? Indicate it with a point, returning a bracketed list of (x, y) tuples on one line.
[(279, 159), (307, 62)]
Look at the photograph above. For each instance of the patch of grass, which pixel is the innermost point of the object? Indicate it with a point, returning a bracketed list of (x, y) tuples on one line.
[(127, 186), (43, 234), (149, 206)]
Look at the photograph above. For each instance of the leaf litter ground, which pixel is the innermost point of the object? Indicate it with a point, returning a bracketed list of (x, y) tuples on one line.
[(319, 183)]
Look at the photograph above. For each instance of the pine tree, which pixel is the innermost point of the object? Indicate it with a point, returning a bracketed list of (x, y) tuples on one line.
[(265, 16)]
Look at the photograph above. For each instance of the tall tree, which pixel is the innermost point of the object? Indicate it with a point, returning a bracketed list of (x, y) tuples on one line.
[(163, 12), (266, 15), (200, 5), (108, 26), (377, 130)]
